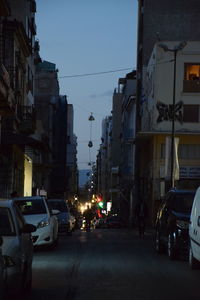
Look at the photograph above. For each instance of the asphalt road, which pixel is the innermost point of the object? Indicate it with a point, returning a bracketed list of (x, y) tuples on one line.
[(111, 264)]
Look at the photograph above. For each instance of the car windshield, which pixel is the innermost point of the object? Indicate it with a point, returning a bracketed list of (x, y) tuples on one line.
[(32, 207), (183, 203), (59, 205), (6, 222)]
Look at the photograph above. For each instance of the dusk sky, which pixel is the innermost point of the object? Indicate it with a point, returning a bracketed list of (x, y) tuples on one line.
[(88, 36)]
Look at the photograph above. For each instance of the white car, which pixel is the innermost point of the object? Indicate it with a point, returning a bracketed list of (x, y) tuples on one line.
[(37, 212), (16, 248), (194, 232)]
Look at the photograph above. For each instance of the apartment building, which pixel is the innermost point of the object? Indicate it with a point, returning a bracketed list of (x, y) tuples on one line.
[(104, 160), (18, 54), (158, 21), (156, 123), (114, 188), (46, 103), (72, 171), (127, 158)]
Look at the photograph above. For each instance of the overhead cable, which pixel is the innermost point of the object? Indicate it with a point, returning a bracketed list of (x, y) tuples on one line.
[(97, 73)]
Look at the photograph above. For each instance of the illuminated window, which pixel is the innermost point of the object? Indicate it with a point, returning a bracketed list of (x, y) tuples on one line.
[(192, 71), (191, 82)]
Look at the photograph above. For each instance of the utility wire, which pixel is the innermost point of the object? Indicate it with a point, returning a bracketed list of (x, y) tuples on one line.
[(111, 71), (97, 73)]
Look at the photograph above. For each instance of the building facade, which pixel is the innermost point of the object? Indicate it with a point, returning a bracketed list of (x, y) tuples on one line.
[(158, 21), (17, 52), (156, 124)]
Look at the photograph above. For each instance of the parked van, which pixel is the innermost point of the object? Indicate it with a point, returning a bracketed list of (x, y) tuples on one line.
[(194, 232)]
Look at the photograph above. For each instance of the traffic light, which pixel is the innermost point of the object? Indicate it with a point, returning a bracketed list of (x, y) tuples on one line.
[(100, 204)]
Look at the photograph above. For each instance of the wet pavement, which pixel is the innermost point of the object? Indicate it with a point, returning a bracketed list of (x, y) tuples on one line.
[(110, 264)]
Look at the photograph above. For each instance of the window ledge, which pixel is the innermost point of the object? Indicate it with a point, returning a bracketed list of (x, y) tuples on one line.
[(190, 94)]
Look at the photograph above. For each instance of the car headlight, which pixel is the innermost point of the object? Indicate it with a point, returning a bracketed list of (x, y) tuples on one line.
[(182, 224), (43, 223)]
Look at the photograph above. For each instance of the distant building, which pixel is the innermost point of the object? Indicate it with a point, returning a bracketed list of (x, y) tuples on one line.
[(72, 170), (46, 95), (59, 173), (83, 177)]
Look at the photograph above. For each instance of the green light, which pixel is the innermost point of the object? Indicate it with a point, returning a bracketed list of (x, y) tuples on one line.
[(100, 204)]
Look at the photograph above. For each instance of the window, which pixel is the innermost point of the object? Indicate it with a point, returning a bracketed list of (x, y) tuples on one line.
[(20, 221), (191, 113), (183, 202), (192, 77), (59, 205), (192, 71), (185, 151), (31, 207)]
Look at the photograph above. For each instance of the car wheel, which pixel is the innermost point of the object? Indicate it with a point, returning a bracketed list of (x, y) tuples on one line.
[(158, 245), (193, 262), (172, 252)]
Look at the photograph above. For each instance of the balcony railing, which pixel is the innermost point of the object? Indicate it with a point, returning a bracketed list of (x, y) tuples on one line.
[(191, 86), (27, 118)]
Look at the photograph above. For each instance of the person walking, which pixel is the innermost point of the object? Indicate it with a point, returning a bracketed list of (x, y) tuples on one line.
[(88, 214), (141, 213)]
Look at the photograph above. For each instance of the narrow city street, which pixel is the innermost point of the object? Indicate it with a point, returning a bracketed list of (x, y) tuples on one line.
[(110, 264)]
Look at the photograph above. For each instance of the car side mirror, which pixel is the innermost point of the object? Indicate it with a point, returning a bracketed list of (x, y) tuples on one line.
[(1, 241), (55, 212), (28, 228)]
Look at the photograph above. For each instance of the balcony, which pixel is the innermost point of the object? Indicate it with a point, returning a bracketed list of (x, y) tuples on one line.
[(27, 119), (191, 86), (7, 104)]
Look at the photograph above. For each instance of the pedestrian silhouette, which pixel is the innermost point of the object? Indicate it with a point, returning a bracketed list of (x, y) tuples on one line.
[(141, 213)]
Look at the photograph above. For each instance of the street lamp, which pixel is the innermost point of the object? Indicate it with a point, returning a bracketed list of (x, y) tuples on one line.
[(174, 50)]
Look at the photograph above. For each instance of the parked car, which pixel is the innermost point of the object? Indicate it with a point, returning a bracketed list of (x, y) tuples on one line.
[(2, 271), (172, 223), (194, 233), (36, 211), (16, 248), (66, 221), (114, 222), (100, 223)]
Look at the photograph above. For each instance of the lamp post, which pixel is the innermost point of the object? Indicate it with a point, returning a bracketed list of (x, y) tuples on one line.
[(174, 50)]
